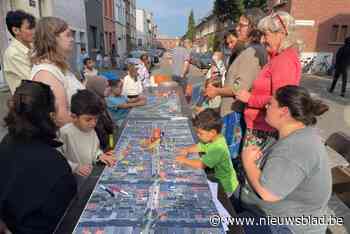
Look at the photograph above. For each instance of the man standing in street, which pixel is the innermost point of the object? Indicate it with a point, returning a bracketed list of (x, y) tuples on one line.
[(17, 64), (342, 64), (82, 56), (181, 63)]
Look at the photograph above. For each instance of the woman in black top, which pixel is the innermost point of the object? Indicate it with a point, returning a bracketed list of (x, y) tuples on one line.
[(36, 182)]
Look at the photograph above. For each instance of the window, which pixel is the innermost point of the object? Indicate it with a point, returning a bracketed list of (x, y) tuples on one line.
[(110, 41), (93, 31), (73, 35), (339, 33), (343, 32), (335, 32), (32, 3), (101, 42)]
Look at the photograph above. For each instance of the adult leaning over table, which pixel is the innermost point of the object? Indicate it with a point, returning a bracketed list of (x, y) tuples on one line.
[(283, 69), (291, 178), (53, 45), (36, 182), (243, 71)]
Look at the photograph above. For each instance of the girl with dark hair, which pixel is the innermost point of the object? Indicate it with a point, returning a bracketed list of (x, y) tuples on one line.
[(36, 182), (291, 178)]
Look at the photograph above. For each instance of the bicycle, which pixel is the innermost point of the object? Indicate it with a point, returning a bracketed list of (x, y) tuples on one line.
[(324, 66), (308, 64)]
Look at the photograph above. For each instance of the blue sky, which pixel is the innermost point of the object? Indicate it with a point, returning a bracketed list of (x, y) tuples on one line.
[(171, 16)]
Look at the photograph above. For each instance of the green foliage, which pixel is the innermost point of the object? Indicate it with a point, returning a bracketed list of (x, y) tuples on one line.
[(213, 42), (217, 43), (255, 3), (191, 27), (228, 9), (232, 9)]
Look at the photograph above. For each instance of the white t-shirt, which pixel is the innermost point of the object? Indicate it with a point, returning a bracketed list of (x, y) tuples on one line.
[(131, 87), (70, 83), (79, 148)]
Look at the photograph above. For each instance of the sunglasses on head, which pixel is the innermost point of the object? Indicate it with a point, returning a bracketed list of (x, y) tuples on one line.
[(275, 15)]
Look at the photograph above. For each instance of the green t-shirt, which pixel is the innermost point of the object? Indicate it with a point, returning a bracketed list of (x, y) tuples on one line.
[(217, 156)]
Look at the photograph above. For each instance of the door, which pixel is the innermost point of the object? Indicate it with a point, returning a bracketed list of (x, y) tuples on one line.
[(2, 82)]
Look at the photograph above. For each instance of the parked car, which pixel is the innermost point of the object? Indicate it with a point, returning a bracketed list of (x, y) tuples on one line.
[(153, 55), (200, 60), (206, 60), (134, 58), (160, 52)]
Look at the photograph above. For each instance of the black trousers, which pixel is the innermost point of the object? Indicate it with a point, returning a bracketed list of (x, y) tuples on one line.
[(343, 72)]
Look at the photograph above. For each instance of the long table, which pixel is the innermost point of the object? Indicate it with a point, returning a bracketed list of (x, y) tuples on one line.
[(147, 191)]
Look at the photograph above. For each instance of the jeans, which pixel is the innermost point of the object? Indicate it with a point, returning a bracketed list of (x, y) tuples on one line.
[(181, 81), (233, 130)]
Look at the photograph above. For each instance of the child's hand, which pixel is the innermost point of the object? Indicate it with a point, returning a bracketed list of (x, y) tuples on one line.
[(108, 159), (180, 159), (84, 170), (199, 109), (182, 151)]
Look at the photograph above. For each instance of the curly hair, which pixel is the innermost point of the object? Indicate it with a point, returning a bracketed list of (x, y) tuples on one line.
[(31, 110), (45, 45)]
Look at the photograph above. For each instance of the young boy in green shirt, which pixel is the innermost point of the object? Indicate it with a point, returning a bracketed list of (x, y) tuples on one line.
[(213, 145)]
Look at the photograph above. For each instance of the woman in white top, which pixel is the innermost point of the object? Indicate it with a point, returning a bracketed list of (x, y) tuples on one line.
[(132, 86), (53, 44)]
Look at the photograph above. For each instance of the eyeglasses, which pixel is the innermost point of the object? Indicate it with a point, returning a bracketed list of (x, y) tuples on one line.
[(281, 22)]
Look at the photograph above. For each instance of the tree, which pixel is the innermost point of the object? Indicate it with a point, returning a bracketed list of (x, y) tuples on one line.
[(228, 9), (214, 42), (255, 3), (210, 44), (191, 27), (217, 43)]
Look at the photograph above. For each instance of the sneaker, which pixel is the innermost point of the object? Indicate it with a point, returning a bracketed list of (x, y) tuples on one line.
[(342, 95)]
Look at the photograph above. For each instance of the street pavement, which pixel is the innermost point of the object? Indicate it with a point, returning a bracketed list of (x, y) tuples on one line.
[(332, 121)]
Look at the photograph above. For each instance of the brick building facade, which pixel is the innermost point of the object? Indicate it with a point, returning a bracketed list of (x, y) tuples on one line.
[(167, 43), (322, 24)]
